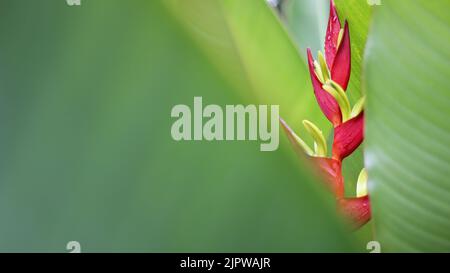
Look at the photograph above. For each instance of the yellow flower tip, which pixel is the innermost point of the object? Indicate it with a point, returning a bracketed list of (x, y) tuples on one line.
[(318, 71), (340, 96), (358, 107), (296, 140), (361, 185), (320, 144), (341, 34), (323, 66)]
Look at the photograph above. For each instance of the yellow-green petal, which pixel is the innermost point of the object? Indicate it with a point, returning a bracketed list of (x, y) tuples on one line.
[(316, 133), (338, 93), (361, 185)]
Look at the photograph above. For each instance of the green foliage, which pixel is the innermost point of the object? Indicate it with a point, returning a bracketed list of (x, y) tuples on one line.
[(408, 132), (86, 152)]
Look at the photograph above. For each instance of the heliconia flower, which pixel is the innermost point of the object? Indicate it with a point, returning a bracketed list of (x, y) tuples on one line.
[(330, 75), (330, 169), (336, 66)]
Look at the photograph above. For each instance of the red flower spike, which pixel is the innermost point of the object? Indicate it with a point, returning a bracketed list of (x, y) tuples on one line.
[(330, 170), (348, 136), (341, 68), (332, 36), (332, 72), (326, 101), (356, 209)]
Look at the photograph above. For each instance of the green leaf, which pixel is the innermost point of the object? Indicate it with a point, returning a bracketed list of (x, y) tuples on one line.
[(306, 21), (358, 14), (408, 132), (86, 152)]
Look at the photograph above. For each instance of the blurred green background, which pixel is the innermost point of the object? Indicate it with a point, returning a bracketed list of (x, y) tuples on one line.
[(85, 147), (86, 151)]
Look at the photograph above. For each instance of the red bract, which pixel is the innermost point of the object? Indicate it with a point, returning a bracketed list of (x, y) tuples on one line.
[(348, 136), (331, 171), (340, 70), (332, 36), (326, 101), (357, 209), (337, 49), (330, 76), (336, 66)]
